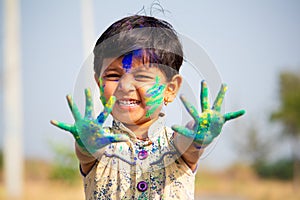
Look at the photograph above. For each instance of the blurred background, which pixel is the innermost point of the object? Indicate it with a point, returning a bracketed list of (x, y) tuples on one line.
[(254, 44)]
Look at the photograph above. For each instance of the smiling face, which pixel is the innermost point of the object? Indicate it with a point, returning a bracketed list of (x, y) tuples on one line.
[(139, 89)]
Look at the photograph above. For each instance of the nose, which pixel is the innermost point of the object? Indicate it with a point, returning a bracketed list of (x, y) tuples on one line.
[(126, 83)]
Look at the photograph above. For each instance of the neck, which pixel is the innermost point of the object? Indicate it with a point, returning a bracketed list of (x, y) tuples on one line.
[(141, 130)]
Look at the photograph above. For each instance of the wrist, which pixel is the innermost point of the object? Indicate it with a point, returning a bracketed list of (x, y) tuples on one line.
[(81, 148), (199, 146)]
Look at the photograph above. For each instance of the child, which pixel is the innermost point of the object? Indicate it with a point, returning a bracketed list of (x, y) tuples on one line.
[(136, 64)]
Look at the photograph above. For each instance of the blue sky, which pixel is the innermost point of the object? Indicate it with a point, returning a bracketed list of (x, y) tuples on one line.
[(250, 42)]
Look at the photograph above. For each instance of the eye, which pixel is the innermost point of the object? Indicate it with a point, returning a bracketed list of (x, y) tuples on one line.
[(141, 77), (112, 77)]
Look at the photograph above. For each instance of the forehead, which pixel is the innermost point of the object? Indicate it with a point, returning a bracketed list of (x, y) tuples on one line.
[(127, 63), (118, 62)]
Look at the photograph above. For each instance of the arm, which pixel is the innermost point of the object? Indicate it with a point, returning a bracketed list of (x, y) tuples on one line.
[(86, 160), (207, 125), (188, 150)]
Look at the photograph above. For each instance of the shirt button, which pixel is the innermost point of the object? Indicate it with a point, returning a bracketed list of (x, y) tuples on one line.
[(142, 154), (142, 186)]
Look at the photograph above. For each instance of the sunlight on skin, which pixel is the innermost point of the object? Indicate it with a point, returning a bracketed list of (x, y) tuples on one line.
[(87, 131), (209, 123), (154, 97)]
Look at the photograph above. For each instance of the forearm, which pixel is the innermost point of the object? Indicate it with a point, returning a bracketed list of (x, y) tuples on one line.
[(86, 159), (190, 151)]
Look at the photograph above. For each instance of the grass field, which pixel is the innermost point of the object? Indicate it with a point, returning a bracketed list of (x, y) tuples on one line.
[(240, 182), (236, 183)]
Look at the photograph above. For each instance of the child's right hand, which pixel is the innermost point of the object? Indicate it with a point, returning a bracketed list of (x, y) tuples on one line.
[(87, 131)]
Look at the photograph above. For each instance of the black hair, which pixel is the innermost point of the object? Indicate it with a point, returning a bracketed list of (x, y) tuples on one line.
[(156, 38)]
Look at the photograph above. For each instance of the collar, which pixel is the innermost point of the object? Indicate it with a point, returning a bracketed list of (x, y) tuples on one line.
[(153, 131)]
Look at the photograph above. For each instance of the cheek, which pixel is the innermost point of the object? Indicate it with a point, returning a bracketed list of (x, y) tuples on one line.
[(142, 91), (110, 88)]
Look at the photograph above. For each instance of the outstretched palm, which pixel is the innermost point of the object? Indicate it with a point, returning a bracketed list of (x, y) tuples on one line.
[(209, 123), (87, 131)]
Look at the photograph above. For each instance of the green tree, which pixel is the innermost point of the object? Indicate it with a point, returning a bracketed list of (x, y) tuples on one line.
[(288, 115), (252, 147)]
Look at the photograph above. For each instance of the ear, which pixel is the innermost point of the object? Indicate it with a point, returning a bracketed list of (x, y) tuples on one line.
[(172, 88), (97, 79)]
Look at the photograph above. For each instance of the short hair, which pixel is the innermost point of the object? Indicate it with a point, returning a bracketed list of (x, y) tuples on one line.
[(156, 38)]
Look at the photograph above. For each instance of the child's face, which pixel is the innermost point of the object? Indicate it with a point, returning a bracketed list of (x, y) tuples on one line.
[(138, 88)]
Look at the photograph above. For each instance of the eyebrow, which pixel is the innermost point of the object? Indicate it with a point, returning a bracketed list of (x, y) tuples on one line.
[(144, 69), (113, 68), (119, 68), (140, 70)]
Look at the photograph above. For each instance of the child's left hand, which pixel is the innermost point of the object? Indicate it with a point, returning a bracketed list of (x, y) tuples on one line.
[(209, 123)]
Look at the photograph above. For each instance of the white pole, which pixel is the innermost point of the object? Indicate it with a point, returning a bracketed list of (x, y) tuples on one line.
[(13, 111), (87, 24), (88, 42)]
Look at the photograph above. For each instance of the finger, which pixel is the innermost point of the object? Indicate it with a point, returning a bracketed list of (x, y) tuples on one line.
[(74, 109), (183, 131), (107, 110), (190, 124), (88, 104), (63, 126), (204, 96), (233, 115), (110, 104), (101, 87), (190, 108), (219, 100)]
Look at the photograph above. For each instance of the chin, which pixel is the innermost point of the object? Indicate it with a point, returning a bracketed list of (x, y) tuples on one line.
[(129, 118)]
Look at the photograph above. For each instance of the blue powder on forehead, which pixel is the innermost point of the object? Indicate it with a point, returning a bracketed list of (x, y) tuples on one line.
[(138, 53), (127, 60)]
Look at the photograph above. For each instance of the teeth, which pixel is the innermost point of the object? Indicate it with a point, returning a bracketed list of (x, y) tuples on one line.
[(128, 102)]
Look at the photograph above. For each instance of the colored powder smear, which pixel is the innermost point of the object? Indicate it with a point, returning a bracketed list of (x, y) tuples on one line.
[(154, 97), (127, 59)]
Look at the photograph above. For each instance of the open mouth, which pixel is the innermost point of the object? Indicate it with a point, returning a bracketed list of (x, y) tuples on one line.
[(128, 102)]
